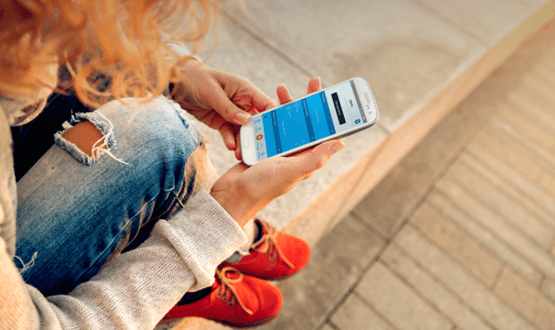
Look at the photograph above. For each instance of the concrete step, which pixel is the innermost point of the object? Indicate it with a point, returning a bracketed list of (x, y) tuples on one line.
[(422, 58)]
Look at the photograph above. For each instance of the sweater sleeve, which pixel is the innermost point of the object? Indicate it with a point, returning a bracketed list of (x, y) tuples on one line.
[(138, 287)]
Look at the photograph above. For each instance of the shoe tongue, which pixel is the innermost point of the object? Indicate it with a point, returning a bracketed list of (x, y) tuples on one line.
[(232, 275), (259, 243), (260, 231)]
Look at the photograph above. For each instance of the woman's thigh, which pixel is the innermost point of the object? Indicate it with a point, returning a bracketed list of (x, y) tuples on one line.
[(73, 218)]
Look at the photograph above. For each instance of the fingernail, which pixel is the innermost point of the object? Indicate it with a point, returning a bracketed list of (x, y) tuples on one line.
[(243, 117), (336, 147)]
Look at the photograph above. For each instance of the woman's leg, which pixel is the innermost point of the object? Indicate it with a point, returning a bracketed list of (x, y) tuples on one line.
[(32, 140), (73, 218)]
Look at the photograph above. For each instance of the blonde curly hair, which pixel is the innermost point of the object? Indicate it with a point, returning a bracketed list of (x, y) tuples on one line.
[(111, 48)]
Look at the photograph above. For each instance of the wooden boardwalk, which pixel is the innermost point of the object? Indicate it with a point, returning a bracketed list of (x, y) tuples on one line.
[(460, 235)]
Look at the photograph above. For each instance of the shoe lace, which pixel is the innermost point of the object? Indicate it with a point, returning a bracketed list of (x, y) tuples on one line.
[(268, 244), (227, 289)]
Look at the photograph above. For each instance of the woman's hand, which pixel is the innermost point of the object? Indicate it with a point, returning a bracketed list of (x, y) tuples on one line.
[(243, 191), (221, 100), (285, 97)]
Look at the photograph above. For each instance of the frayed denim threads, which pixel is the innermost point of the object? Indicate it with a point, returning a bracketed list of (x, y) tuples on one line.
[(106, 129)]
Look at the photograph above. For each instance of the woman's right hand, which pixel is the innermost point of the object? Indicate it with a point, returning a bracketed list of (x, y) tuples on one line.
[(243, 191)]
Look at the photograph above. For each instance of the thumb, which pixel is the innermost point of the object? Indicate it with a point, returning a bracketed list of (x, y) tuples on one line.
[(309, 162)]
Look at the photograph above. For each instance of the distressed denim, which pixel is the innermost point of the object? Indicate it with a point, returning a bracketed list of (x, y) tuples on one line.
[(76, 213)]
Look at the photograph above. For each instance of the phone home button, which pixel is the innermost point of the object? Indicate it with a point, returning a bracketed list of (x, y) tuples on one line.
[(245, 142), (367, 97)]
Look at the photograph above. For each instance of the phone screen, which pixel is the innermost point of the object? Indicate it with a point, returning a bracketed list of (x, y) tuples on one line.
[(295, 124)]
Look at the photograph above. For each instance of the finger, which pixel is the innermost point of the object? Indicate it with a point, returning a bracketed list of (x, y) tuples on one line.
[(314, 85), (220, 102), (261, 101), (238, 149), (253, 111), (228, 135), (283, 94), (273, 103)]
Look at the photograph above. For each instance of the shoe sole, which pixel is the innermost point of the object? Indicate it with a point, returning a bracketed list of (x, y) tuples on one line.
[(239, 326), (276, 279)]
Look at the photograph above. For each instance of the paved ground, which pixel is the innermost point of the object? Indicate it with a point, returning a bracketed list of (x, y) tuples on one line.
[(460, 235), (412, 52)]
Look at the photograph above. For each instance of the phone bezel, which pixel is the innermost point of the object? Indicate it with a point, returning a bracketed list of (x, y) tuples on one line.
[(362, 88)]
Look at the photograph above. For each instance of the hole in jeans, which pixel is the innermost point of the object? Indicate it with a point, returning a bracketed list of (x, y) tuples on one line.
[(85, 135)]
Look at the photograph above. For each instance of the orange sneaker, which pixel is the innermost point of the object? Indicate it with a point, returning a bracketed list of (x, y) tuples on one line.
[(236, 300), (274, 256)]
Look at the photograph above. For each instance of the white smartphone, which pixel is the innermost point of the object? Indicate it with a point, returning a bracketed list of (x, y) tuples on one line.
[(333, 112)]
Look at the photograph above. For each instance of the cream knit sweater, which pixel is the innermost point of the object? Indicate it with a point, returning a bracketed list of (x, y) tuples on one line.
[(138, 287)]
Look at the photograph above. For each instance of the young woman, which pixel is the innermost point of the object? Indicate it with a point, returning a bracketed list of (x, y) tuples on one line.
[(117, 221)]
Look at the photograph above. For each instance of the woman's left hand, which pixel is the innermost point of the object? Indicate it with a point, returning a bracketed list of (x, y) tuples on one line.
[(221, 100)]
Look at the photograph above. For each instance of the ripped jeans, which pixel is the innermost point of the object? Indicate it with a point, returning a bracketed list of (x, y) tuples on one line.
[(74, 218)]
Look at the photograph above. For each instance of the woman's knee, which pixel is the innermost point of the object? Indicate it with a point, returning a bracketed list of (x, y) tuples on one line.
[(160, 130), (151, 138), (130, 124)]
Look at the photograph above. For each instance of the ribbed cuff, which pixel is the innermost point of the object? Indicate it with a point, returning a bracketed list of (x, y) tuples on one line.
[(210, 235)]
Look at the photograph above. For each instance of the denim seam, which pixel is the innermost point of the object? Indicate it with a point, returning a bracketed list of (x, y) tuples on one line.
[(191, 125), (175, 200), (183, 188), (119, 237)]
